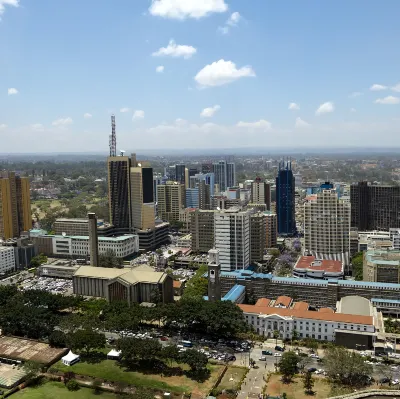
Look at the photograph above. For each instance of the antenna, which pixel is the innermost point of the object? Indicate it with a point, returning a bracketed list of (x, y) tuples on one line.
[(113, 138)]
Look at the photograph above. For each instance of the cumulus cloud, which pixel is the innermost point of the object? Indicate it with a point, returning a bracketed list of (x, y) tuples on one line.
[(12, 90), (300, 123), (37, 127), (389, 100), (325, 108), (3, 126), (87, 115), (63, 122), (160, 69), (377, 87), (232, 21), (294, 107), (261, 124), (175, 50), (138, 114), (124, 109), (4, 3), (222, 72), (355, 94), (182, 9), (209, 112), (396, 87)]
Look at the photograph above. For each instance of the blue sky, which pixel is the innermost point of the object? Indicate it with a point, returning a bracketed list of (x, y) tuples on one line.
[(231, 68)]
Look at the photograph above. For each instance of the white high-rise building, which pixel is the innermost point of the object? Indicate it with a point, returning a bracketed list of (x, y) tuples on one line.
[(7, 260), (232, 238), (327, 227)]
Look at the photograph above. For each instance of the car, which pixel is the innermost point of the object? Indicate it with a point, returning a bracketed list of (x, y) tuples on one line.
[(266, 353), (395, 382), (314, 356), (279, 348), (163, 339), (277, 354), (394, 368), (263, 358), (312, 370)]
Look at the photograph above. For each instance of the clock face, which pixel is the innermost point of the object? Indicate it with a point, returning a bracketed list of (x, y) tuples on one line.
[(212, 275)]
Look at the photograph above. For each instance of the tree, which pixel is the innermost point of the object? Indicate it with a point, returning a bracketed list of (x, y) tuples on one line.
[(86, 340), (311, 344), (195, 360), (170, 353), (72, 385), (109, 259), (197, 285), (357, 262), (57, 339), (308, 383), (134, 350), (284, 395), (274, 252), (295, 335), (32, 369), (276, 336), (142, 393), (96, 386), (288, 365), (68, 376), (38, 260)]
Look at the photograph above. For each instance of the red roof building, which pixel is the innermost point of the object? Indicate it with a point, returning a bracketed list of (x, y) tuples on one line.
[(312, 268)]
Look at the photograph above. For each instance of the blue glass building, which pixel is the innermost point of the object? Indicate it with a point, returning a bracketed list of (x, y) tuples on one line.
[(285, 200)]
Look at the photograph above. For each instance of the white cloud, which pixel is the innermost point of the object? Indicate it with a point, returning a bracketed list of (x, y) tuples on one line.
[(4, 3), (234, 19), (209, 112), (175, 50), (63, 122), (38, 127), (124, 109), (396, 87), (224, 30), (377, 87), (294, 107), (353, 110), (87, 115), (325, 108), (11, 91), (300, 123), (222, 72), (355, 94), (261, 124), (3, 126), (388, 100), (160, 69), (138, 114), (182, 9)]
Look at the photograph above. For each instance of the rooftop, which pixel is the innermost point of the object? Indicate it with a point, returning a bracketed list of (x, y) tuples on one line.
[(284, 301), (234, 293), (311, 263), (115, 239)]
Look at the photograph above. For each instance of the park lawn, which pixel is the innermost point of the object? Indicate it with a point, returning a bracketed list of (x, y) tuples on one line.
[(295, 389), (111, 371), (57, 390), (237, 373)]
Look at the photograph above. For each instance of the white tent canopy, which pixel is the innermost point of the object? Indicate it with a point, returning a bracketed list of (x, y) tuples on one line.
[(113, 354), (70, 358)]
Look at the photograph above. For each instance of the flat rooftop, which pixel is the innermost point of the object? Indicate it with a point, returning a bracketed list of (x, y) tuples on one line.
[(325, 265)]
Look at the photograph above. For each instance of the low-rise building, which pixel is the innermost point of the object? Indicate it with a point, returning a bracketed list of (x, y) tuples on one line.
[(7, 260), (185, 241), (57, 271), (310, 267), (381, 266)]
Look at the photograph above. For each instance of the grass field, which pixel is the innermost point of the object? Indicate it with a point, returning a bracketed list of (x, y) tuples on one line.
[(295, 390), (111, 371), (232, 378), (57, 390)]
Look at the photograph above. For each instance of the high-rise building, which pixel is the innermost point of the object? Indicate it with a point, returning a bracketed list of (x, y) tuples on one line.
[(258, 236), (327, 227), (261, 193), (206, 168), (204, 195), (285, 200), (180, 173), (202, 230), (272, 226), (157, 180), (225, 174), (230, 174), (171, 199), (15, 205), (374, 207), (192, 197), (232, 238), (119, 191)]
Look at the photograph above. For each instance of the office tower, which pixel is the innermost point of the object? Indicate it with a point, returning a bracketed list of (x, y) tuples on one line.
[(232, 238), (374, 207), (187, 178), (142, 195), (204, 195), (171, 199), (15, 205), (258, 236), (93, 240), (193, 172), (202, 230), (285, 200), (214, 274), (180, 173), (192, 197), (209, 179), (157, 180), (230, 174), (261, 193), (327, 227), (272, 229), (206, 168), (170, 173)]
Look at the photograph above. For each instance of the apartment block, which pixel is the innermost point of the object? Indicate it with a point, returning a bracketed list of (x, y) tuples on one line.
[(261, 193), (258, 236), (272, 229), (7, 260), (171, 199), (202, 230)]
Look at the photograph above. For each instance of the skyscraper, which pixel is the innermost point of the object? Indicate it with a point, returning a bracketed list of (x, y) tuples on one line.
[(230, 174), (285, 199), (225, 174), (171, 199), (180, 173), (327, 227), (15, 205), (261, 193), (374, 207)]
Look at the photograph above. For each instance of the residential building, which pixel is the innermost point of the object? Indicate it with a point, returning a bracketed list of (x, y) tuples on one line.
[(232, 238), (285, 200), (272, 229), (381, 266), (171, 199), (327, 227), (180, 173), (258, 237), (7, 260), (310, 267), (202, 230), (133, 285), (374, 207), (15, 205), (261, 193)]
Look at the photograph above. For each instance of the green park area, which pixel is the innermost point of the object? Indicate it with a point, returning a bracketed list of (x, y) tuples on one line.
[(232, 379), (57, 390)]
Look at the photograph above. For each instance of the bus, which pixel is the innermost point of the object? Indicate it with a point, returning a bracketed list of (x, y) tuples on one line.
[(187, 344)]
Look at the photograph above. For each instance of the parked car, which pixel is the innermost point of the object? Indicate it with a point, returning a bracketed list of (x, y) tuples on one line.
[(266, 353), (279, 348), (263, 358), (277, 354), (312, 370)]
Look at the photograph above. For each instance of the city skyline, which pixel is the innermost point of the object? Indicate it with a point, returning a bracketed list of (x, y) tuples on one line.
[(221, 74)]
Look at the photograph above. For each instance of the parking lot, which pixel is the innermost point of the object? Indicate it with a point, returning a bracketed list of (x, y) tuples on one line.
[(53, 285)]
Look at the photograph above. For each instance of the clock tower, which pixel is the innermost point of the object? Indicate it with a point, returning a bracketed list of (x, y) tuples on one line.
[(214, 276)]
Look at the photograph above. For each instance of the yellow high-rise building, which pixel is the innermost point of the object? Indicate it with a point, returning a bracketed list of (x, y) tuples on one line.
[(15, 205)]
